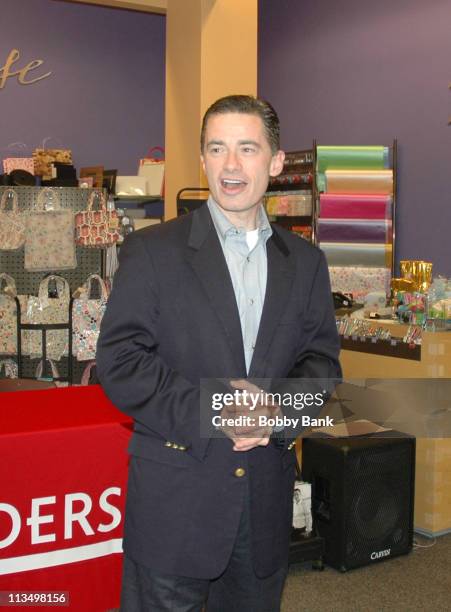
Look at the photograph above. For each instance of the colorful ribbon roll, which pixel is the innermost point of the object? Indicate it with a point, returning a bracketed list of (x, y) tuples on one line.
[(354, 230), (365, 255), (360, 157), (359, 281), (360, 181), (345, 206)]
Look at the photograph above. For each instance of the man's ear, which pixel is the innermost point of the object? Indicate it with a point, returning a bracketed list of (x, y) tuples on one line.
[(276, 165)]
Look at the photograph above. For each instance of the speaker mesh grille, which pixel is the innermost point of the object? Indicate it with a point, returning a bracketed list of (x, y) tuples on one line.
[(378, 485)]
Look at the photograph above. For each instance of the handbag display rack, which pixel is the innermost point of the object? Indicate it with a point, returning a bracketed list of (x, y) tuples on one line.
[(89, 261)]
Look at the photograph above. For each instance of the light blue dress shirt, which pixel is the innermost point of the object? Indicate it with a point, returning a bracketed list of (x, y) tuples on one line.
[(246, 259)]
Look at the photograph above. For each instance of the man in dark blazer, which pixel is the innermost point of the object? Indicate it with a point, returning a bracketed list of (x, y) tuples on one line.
[(208, 519)]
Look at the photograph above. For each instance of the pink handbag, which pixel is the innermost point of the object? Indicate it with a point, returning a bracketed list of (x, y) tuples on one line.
[(18, 163), (96, 228), (86, 373)]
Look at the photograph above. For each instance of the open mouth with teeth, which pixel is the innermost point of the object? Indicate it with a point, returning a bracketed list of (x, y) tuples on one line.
[(233, 186)]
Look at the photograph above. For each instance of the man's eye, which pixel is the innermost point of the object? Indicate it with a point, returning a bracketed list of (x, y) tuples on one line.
[(215, 150), (248, 149)]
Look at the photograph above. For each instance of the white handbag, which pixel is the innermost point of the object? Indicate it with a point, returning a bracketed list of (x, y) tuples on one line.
[(54, 371), (12, 223), (44, 310), (152, 169)]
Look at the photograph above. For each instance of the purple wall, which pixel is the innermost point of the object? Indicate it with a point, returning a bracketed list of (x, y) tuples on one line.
[(365, 72), (105, 97)]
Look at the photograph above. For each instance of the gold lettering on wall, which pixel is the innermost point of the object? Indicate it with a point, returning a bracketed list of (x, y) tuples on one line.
[(7, 72)]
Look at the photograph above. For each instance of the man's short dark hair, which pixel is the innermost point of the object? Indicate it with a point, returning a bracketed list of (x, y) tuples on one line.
[(248, 105)]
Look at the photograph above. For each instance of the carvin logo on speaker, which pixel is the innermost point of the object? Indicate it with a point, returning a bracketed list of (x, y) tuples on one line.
[(381, 553)]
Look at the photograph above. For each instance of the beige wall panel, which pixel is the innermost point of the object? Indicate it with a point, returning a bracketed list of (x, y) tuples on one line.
[(183, 49), (211, 51), (229, 49)]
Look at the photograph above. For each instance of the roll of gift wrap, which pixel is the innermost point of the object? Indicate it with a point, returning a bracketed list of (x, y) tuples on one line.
[(354, 230), (363, 158), (360, 181), (366, 255), (359, 281), (344, 206)]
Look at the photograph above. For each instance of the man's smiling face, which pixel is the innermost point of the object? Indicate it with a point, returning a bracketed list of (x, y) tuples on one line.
[(238, 161)]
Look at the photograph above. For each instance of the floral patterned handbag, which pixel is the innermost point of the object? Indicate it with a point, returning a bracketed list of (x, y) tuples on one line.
[(10, 368), (96, 228), (12, 225), (87, 314), (8, 315), (43, 159), (49, 243), (18, 163), (43, 310)]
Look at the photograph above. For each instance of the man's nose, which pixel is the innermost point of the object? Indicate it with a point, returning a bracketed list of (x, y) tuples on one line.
[(232, 162)]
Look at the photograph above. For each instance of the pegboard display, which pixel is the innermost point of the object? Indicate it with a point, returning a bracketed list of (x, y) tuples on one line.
[(89, 261)]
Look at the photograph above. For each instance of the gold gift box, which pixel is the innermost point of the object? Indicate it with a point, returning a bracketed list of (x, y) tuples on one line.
[(419, 272)]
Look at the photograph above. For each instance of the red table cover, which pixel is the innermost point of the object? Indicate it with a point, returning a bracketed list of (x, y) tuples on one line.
[(63, 473)]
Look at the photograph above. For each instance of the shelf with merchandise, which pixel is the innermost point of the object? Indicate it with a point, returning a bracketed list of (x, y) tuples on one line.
[(290, 196)]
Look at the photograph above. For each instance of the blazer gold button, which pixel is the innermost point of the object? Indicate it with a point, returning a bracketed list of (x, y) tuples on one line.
[(182, 448), (168, 444), (240, 472), (175, 446)]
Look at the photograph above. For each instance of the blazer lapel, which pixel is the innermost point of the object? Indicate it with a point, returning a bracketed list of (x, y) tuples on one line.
[(281, 273), (206, 257)]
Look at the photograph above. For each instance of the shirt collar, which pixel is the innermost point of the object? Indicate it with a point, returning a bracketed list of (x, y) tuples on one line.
[(225, 228)]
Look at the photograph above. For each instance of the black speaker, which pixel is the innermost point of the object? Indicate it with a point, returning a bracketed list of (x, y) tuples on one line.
[(362, 495)]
